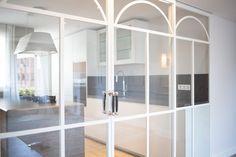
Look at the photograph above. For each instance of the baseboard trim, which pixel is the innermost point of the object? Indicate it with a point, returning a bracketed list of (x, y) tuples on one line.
[(226, 153)]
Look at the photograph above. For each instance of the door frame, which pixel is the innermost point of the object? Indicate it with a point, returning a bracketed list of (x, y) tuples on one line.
[(110, 121)]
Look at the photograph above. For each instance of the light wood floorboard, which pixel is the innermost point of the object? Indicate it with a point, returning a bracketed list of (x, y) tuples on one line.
[(96, 149)]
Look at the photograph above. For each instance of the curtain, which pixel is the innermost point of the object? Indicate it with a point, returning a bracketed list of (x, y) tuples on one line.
[(8, 66), (8, 73), (2, 57), (11, 45)]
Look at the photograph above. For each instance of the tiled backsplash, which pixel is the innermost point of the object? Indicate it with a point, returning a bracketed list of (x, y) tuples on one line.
[(201, 90), (159, 89), (183, 96)]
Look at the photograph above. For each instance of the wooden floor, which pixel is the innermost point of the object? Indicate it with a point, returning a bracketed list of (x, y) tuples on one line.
[(96, 149)]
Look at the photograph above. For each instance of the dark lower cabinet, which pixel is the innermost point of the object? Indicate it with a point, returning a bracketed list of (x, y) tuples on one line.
[(43, 144), (79, 94)]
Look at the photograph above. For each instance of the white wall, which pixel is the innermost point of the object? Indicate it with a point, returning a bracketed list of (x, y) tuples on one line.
[(223, 87)]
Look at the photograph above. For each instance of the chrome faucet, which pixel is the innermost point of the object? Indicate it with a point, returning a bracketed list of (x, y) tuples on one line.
[(124, 85)]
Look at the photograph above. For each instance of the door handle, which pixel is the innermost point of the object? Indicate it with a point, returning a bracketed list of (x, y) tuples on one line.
[(113, 104), (113, 96), (116, 102), (104, 102)]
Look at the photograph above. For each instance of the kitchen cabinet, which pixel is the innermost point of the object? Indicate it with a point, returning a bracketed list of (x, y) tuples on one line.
[(78, 47), (130, 45)]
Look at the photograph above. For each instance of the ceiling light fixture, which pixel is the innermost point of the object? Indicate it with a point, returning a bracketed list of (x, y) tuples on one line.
[(37, 43), (164, 60)]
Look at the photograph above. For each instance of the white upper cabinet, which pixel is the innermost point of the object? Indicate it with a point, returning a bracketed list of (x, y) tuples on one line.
[(129, 44), (102, 46)]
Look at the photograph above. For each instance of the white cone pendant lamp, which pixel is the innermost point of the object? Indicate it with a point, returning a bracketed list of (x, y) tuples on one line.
[(36, 43)]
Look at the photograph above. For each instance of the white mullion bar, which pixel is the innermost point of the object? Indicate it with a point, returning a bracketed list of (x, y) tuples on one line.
[(29, 132), (51, 13), (173, 82), (62, 143), (193, 126), (90, 123), (61, 87), (130, 117), (192, 95), (110, 46), (50, 129), (183, 108), (192, 39), (147, 90), (189, 107), (143, 30), (110, 73), (111, 137), (192, 74), (161, 113), (201, 105), (174, 133)]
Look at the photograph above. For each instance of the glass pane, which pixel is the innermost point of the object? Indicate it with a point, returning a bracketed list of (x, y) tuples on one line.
[(202, 131), (149, 17), (84, 74), (161, 136), (89, 141), (29, 72), (191, 27), (130, 82), (38, 145), (201, 73), (183, 70), (184, 133), (160, 65), (88, 8), (130, 138)]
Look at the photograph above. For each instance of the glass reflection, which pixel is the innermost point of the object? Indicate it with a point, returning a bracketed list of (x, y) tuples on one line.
[(29, 71), (88, 8), (184, 133), (201, 73), (183, 70), (154, 14), (86, 142), (38, 145), (129, 71), (193, 24), (159, 69), (130, 138), (84, 71), (161, 136), (202, 131)]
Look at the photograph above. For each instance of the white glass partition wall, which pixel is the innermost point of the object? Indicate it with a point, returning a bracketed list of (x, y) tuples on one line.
[(120, 78)]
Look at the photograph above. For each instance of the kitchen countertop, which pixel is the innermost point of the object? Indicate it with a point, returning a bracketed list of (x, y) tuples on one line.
[(7, 105)]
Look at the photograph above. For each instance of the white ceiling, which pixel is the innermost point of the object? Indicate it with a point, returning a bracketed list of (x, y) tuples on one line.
[(222, 8)]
